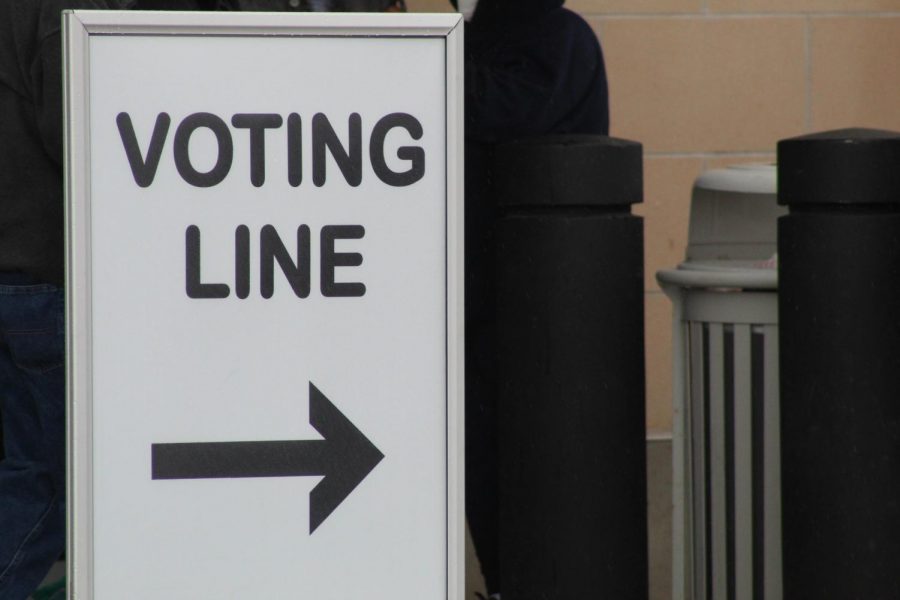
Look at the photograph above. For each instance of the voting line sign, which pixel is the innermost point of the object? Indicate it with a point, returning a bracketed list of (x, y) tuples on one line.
[(264, 287)]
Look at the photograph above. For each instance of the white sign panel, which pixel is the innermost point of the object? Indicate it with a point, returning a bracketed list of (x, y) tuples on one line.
[(264, 306)]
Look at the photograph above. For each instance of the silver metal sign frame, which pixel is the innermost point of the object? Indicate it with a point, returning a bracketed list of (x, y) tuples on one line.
[(78, 28)]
